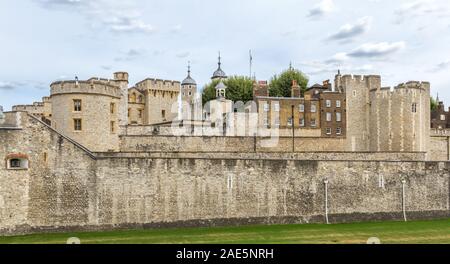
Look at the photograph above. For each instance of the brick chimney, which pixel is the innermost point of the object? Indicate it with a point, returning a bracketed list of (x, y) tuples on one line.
[(295, 90)]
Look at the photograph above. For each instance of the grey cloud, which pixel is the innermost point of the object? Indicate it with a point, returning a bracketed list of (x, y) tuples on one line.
[(441, 66), (350, 31), (324, 7), (130, 55), (7, 86), (183, 54), (371, 50)]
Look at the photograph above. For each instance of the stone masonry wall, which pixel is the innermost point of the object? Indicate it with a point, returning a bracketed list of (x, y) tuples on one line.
[(73, 189)]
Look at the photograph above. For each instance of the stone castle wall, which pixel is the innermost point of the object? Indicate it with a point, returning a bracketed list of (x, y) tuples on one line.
[(69, 188), (156, 143)]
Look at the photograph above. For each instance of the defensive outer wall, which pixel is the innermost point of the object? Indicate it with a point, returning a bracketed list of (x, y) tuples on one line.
[(69, 188)]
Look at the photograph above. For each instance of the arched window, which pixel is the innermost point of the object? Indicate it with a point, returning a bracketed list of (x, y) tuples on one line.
[(17, 162)]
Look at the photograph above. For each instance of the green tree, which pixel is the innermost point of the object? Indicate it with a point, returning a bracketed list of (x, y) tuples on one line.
[(239, 88), (433, 104), (280, 85)]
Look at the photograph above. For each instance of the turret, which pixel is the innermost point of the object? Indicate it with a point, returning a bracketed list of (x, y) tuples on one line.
[(121, 78)]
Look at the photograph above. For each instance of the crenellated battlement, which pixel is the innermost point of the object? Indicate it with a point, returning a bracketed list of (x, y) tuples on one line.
[(159, 84), (404, 87), (91, 86), (360, 78)]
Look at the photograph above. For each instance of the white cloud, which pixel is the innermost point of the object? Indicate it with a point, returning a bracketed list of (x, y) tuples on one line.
[(350, 31), (321, 9), (117, 16), (431, 8), (372, 50)]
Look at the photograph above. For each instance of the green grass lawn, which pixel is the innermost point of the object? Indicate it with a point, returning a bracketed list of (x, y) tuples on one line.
[(427, 232)]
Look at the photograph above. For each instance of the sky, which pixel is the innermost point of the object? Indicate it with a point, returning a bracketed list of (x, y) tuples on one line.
[(47, 40)]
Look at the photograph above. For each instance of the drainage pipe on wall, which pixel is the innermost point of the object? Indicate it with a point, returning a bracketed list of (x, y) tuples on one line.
[(326, 200), (404, 199)]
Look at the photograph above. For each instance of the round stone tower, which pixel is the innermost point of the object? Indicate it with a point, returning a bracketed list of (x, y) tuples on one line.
[(121, 79), (88, 112)]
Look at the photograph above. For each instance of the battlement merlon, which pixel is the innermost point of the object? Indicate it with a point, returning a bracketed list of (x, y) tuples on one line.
[(91, 86), (411, 85), (361, 81), (159, 84)]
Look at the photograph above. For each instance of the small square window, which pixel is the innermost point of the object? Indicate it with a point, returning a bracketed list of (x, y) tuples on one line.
[(442, 117), (338, 131), (328, 131), (313, 122)]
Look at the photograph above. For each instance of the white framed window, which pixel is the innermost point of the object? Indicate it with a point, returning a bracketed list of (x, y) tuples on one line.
[(313, 122), (328, 131), (338, 103), (276, 106), (301, 108), (289, 121), (277, 121), (328, 103), (266, 107), (266, 121), (442, 117), (328, 117), (338, 131), (302, 122), (338, 117), (313, 108)]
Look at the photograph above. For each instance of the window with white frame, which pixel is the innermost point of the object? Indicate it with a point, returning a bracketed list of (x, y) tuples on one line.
[(289, 121), (302, 122), (313, 108), (313, 122), (338, 103), (338, 117), (301, 108), (266, 107), (277, 121), (328, 117), (276, 106), (338, 131), (328, 103), (328, 131), (266, 121), (442, 117)]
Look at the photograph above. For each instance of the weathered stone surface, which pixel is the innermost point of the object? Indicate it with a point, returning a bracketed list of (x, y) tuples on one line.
[(68, 188)]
